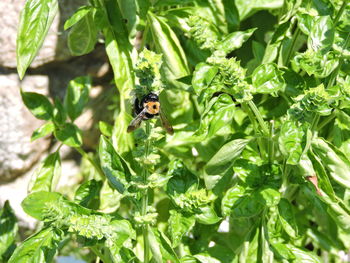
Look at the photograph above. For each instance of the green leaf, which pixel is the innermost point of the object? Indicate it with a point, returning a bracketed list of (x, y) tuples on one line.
[(335, 162), (39, 248), (42, 131), (246, 9), (118, 48), (223, 160), (46, 176), (203, 75), (314, 63), (36, 203), (205, 258), (291, 141), (105, 128), (323, 180), (267, 78), (207, 216), (322, 34), (59, 113), (8, 231), (230, 198), (77, 16), (287, 218), (247, 206), (88, 194), (77, 95), (154, 245), (122, 140), (269, 197), (303, 256), (178, 226), (35, 21), (160, 3), (83, 36), (69, 134), (113, 165), (38, 105), (167, 43), (234, 40)]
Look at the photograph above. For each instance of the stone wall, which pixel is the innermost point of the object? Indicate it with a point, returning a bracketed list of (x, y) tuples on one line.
[(49, 74)]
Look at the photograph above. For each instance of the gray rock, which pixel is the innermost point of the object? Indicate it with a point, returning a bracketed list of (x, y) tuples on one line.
[(17, 152), (55, 45)]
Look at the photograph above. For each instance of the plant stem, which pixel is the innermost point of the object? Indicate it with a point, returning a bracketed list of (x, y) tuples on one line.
[(270, 149), (260, 119), (340, 12), (94, 164), (256, 130), (145, 197), (327, 120), (335, 72), (290, 51)]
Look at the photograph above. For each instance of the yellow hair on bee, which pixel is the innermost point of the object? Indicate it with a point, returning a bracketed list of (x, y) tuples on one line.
[(152, 107)]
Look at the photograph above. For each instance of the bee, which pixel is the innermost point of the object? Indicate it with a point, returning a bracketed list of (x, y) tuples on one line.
[(146, 109)]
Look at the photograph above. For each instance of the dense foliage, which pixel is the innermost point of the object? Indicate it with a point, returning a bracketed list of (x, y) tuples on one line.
[(258, 169)]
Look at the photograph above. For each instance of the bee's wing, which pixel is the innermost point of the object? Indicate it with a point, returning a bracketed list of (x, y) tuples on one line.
[(135, 123), (166, 124)]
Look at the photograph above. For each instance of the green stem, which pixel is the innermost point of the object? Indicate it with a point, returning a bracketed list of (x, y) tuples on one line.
[(335, 72), (314, 123), (327, 120), (99, 254), (260, 119), (256, 130), (144, 200), (271, 146), (340, 12), (290, 51), (94, 164)]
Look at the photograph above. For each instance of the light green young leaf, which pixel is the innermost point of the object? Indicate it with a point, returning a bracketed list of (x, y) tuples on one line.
[(267, 79), (77, 16), (113, 165), (335, 162), (69, 134), (178, 226), (77, 95), (167, 43), (8, 230), (42, 131), (35, 21), (83, 36), (38, 248), (46, 176), (223, 160), (38, 105), (287, 218), (105, 128)]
